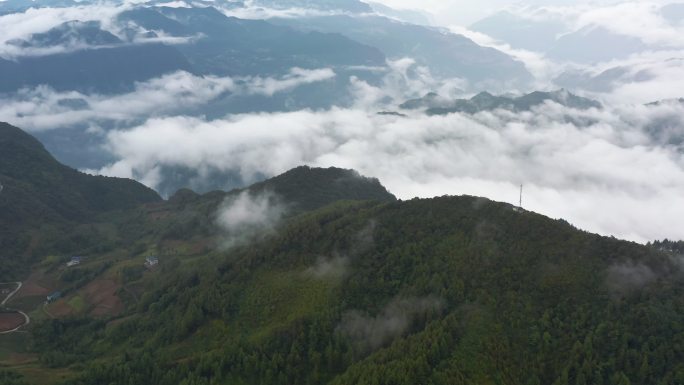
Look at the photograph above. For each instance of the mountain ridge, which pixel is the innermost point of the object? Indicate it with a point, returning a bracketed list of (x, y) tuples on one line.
[(348, 286), (39, 192), (434, 104)]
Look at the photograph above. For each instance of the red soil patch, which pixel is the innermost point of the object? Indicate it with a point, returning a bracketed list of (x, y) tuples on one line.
[(100, 298), (136, 289), (10, 321), (33, 287), (60, 308), (101, 295)]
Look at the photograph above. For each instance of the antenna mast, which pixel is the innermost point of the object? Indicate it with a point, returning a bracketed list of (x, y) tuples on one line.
[(521, 191)]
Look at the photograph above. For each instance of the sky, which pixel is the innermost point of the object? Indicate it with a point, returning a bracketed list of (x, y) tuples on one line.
[(466, 12), (599, 169), (616, 171)]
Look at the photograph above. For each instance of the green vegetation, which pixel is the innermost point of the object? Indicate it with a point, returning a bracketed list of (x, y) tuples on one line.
[(42, 201), (11, 378), (351, 286), (448, 290)]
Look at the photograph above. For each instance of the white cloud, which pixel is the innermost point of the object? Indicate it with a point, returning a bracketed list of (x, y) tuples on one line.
[(247, 216), (652, 74), (20, 26), (43, 108), (328, 268), (372, 332), (296, 77), (536, 63), (609, 177), (259, 13), (663, 79), (639, 19), (464, 12)]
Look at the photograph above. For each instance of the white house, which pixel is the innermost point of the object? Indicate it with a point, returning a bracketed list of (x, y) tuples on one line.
[(74, 261), (151, 261)]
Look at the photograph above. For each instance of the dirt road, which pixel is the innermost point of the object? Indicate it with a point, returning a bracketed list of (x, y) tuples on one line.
[(27, 320)]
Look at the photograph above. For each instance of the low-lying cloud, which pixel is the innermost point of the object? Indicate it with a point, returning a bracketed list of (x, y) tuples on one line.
[(625, 278), (338, 264), (246, 216), (21, 26), (631, 276), (652, 68), (43, 108), (372, 332), (609, 174), (329, 268), (617, 170)]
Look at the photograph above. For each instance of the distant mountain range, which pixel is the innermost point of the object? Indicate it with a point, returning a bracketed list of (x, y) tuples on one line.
[(555, 34), (354, 6), (433, 104), (444, 53), (151, 40)]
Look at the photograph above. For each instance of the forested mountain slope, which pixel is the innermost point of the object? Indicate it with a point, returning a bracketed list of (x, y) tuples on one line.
[(320, 276), (38, 193), (448, 290)]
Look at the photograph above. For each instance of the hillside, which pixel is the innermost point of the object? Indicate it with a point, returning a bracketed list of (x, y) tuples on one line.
[(444, 53), (350, 286), (447, 290), (37, 191), (320, 276)]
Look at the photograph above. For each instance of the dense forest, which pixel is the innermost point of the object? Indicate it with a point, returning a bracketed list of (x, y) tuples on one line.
[(339, 283), (450, 290)]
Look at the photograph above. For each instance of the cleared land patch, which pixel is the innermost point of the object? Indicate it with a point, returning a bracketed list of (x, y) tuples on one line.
[(10, 321)]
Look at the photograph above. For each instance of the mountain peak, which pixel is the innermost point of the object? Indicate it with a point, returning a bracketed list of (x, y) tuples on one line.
[(13, 136), (310, 187), (485, 101), (30, 174), (71, 33)]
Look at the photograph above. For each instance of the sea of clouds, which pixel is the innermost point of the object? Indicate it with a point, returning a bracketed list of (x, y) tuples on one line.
[(618, 170)]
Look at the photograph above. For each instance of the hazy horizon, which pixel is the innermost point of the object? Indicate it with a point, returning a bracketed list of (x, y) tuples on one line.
[(572, 160)]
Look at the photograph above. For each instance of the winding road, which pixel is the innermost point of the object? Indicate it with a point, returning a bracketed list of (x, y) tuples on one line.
[(2, 304)]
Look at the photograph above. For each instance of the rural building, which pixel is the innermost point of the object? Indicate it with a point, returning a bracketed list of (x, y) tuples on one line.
[(54, 297), (151, 261), (74, 261)]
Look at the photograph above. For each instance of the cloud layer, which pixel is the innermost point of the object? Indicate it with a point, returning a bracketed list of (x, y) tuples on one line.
[(616, 171), (647, 44), (43, 108), (247, 216), (393, 321), (612, 171)]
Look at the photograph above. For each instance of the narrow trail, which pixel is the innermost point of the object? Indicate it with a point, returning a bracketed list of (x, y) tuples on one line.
[(27, 319), (19, 284)]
